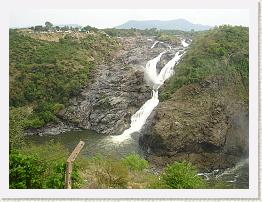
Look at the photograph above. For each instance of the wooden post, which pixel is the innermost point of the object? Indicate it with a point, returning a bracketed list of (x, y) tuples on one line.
[(69, 164), (69, 169)]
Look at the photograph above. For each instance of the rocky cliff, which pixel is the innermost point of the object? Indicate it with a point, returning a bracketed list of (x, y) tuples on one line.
[(204, 120)]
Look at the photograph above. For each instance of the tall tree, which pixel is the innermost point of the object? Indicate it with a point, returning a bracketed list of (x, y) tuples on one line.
[(48, 25)]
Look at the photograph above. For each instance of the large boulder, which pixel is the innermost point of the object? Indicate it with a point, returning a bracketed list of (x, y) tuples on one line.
[(205, 123)]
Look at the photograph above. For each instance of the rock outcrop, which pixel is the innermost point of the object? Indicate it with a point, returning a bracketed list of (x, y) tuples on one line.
[(205, 123)]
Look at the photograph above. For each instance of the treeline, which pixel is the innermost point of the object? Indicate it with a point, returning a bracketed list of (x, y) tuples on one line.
[(146, 32), (220, 52), (50, 27), (44, 74)]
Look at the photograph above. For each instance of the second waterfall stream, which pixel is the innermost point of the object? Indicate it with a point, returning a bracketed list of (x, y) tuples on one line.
[(155, 80)]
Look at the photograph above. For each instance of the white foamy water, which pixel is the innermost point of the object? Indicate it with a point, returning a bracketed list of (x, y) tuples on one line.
[(139, 118), (150, 72), (168, 70), (154, 44), (184, 44), (155, 81)]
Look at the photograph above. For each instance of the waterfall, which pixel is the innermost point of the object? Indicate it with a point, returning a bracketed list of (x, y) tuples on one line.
[(154, 44), (155, 81), (184, 44)]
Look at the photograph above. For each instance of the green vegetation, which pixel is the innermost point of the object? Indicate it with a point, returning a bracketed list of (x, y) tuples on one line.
[(147, 32), (219, 52), (45, 74), (17, 124), (135, 163), (181, 176), (35, 167), (105, 172), (26, 171)]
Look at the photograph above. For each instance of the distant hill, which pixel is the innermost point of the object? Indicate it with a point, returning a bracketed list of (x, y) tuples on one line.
[(178, 24)]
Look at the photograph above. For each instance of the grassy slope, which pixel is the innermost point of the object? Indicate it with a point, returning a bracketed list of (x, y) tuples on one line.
[(45, 74), (220, 52)]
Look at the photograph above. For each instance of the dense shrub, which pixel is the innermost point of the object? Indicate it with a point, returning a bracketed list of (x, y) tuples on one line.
[(106, 172), (181, 176), (26, 171), (35, 167), (135, 163), (56, 176)]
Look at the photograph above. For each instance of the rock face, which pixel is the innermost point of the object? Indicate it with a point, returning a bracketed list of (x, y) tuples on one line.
[(114, 92), (107, 103), (202, 123)]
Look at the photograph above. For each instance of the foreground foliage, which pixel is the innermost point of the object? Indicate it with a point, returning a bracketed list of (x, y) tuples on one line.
[(35, 167), (181, 176)]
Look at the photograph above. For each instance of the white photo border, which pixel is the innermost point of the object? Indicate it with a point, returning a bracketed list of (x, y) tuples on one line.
[(251, 193)]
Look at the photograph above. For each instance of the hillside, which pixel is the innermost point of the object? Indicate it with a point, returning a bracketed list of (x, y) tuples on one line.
[(203, 113), (47, 69), (178, 24)]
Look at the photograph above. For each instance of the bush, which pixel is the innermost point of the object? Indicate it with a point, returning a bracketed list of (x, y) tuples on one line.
[(181, 176), (56, 178), (135, 163), (26, 171), (52, 164), (106, 172)]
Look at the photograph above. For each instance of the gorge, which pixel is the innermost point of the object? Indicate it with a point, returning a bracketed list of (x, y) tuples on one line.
[(166, 98)]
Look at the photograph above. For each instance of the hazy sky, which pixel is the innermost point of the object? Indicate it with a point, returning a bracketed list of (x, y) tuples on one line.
[(104, 18)]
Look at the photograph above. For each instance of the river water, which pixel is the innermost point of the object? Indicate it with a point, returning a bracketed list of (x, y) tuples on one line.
[(94, 143)]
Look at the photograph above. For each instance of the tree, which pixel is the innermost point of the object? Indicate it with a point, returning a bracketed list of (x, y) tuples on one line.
[(38, 28), (48, 25)]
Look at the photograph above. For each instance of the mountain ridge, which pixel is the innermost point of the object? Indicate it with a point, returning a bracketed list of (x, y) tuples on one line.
[(177, 24)]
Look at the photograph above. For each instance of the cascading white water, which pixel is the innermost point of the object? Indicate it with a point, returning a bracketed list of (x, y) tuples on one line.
[(139, 118), (150, 72), (155, 81), (167, 70), (184, 43), (154, 44)]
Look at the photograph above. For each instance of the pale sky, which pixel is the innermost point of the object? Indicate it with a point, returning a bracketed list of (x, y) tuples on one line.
[(106, 18)]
